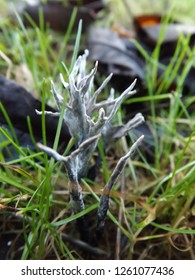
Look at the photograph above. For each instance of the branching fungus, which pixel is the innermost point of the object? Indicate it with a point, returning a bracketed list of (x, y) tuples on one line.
[(79, 116)]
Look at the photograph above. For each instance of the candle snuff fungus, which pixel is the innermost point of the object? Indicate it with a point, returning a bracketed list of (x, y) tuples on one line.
[(79, 116)]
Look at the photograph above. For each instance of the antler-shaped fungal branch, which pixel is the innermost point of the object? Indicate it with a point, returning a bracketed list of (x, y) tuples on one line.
[(71, 165), (79, 116), (104, 200)]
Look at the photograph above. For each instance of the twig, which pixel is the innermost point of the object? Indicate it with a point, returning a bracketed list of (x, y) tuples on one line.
[(84, 246)]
